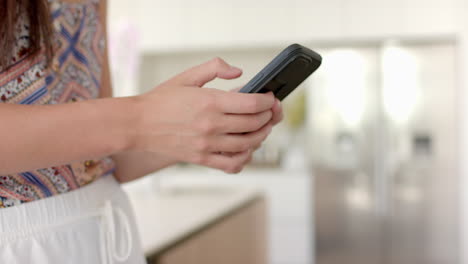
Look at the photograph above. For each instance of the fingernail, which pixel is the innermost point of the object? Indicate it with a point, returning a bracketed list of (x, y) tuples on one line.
[(276, 102)]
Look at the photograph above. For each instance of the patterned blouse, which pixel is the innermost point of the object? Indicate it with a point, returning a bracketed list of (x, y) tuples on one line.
[(75, 75)]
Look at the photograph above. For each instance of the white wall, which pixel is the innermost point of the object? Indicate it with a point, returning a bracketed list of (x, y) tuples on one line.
[(463, 104), (184, 24)]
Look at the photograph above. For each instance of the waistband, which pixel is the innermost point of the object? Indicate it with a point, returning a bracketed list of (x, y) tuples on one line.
[(93, 201), (55, 209)]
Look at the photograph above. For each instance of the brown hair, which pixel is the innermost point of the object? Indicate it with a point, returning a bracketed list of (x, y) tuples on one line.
[(40, 27)]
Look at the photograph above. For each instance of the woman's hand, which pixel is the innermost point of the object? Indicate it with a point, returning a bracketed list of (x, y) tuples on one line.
[(183, 121), (277, 111)]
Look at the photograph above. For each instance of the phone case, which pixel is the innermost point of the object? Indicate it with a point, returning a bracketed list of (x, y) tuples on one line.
[(285, 72)]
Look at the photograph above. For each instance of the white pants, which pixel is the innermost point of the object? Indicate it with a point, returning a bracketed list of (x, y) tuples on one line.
[(94, 224)]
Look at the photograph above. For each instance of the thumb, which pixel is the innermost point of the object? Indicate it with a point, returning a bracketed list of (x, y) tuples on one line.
[(208, 71)]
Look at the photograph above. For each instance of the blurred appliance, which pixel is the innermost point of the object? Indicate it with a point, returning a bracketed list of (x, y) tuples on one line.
[(383, 143)]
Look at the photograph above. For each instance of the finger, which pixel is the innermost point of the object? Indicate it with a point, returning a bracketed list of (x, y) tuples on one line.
[(249, 159), (242, 103), (240, 142), (206, 72), (255, 148), (236, 90), (233, 123), (277, 112), (230, 164)]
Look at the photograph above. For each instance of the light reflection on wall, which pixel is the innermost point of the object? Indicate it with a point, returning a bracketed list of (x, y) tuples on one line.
[(344, 72), (401, 87)]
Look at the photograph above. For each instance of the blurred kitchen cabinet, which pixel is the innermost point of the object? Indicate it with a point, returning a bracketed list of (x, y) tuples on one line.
[(237, 238), (287, 194)]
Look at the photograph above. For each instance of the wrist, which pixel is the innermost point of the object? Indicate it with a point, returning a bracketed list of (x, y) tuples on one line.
[(125, 116)]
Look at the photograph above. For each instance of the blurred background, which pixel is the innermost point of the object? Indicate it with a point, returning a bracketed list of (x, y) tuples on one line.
[(369, 165)]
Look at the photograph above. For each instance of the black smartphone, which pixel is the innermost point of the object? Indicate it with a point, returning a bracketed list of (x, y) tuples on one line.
[(285, 72)]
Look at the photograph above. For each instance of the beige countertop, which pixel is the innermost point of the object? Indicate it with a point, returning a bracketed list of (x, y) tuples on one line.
[(168, 217)]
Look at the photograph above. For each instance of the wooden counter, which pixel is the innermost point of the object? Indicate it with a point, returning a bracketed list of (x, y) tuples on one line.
[(202, 225)]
